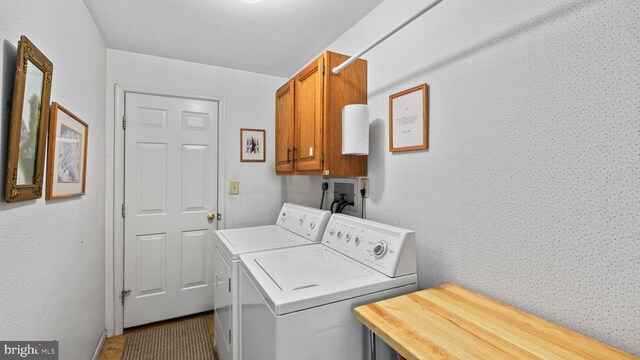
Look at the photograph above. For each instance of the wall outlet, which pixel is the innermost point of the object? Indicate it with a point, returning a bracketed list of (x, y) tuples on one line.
[(364, 184), (234, 187)]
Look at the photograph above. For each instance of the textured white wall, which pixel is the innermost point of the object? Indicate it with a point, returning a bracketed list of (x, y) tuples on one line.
[(249, 102), (52, 252), (530, 190)]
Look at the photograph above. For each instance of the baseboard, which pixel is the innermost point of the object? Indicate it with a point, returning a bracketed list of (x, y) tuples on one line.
[(96, 354)]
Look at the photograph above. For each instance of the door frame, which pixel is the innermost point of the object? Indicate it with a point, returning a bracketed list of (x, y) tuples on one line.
[(118, 185)]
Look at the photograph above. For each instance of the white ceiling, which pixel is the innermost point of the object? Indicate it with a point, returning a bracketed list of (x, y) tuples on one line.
[(275, 37)]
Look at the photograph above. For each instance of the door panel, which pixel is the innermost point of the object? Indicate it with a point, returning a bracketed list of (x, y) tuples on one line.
[(194, 186), (152, 118), (151, 187), (195, 121), (194, 259), (150, 264), (308, 104), (170, 187)]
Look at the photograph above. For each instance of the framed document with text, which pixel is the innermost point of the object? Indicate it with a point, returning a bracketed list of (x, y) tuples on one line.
[(409, 119)]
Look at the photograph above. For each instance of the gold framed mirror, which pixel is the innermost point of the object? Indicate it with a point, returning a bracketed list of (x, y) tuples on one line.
[(29, 123)]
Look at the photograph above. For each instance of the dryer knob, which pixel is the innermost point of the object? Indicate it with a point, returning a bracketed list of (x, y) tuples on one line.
[(380, 249), (312, 225)]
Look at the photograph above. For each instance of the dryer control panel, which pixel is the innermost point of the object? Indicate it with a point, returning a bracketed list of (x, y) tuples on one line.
[(304, 221), (387, 249)]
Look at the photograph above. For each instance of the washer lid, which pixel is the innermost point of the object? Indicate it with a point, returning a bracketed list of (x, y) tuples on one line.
[(305, 277), (244, 240), (295, 271)]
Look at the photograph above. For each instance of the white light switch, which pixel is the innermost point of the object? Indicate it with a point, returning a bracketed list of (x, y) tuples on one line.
[(234, 187)]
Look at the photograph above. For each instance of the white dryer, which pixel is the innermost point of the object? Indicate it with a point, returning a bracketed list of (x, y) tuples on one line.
[(296, 226), (297, 304)]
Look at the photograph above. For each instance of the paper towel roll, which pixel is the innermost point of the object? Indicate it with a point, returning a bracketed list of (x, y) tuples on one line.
[(355, 130)]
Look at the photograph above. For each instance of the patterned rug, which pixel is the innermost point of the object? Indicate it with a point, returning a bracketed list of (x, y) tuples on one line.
[(187, 340)]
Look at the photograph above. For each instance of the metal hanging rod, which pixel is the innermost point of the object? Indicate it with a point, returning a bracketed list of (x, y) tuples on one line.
[(355, 57)]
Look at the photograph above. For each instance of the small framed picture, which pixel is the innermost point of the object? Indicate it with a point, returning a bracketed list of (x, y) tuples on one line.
[(409, 119), (252, 146), (67, 154)]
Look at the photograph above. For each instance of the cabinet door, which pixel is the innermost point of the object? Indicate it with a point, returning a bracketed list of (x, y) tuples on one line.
[(309, 115), (285, 128)]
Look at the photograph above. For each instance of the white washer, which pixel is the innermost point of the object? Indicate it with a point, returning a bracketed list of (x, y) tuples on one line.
[(296, 226), (298, 303)]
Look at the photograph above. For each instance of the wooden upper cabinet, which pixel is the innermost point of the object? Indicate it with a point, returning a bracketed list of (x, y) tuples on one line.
[(285, 113), (308, 139), (316, 97), (347, 87)]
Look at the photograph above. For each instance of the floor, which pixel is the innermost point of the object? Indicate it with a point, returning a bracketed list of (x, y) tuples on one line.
[(114, 346)]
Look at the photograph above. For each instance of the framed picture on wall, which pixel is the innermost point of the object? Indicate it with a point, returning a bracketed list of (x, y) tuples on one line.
[(252, 145), (409, 119), (67, 155), (28, 131)]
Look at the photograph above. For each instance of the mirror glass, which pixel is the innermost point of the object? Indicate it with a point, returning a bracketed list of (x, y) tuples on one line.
[(31, 108)]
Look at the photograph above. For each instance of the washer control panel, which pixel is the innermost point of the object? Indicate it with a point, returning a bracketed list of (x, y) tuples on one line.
[(388, 249), (304, 221)]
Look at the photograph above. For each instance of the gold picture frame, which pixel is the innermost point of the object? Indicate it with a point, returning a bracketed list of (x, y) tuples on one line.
[(28, 129), (409, 119), (252, 145), (67, 154)]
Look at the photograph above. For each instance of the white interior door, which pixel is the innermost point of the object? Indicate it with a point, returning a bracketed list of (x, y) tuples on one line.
[(170, 189)]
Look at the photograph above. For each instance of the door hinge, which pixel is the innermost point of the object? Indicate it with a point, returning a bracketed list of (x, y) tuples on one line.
[(229, 284), (229, 336), (124, 211), (124, 122), (123, 294), (322, 157), (322, 69)]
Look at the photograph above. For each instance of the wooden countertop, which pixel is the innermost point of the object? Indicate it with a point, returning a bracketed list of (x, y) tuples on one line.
[(450, 322)]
